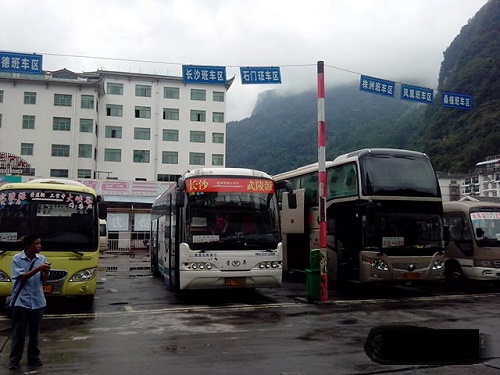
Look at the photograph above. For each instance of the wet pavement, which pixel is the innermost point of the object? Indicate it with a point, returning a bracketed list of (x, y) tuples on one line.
[(138, 326)]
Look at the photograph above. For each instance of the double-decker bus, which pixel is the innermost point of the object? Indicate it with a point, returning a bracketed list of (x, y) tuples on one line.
[(218, 228), (65, 214), (384, 217)]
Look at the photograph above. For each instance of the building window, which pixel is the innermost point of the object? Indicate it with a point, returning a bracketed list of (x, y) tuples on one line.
[(86, 125), (197, 94), (168, 177), (171, 93), (60, 150), (1, 96), (0, 120), (198, 116), (84, 173), (217, 137), (142, 133), (62, 100), (113, 132), (87, 101), (171, 135), (218, 96), (27, 148), (170, 114), (61, 123), (114, 88), (142, 112), (59, 173), (84, 151), (30, 98), (197, 136), (218, 117), (114, 110), (141, 156), (143, 90), (170, 157), (28, 122), (196, 158), (217, 159), (112, 154)]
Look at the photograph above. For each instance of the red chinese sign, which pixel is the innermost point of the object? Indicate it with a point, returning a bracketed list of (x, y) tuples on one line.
[(229, 185)]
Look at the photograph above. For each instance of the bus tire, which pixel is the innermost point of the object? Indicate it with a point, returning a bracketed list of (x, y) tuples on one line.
[(86, 302), (454, 276)]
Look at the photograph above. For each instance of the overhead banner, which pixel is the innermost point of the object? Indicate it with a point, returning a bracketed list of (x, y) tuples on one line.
[(260, 75), (20, 63), (417, 94), (377, 86), (204, 74), (454, 100)]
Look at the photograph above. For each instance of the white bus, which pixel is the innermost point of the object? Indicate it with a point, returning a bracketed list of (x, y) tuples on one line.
[(217, 228), (473, 251), (384, 217)]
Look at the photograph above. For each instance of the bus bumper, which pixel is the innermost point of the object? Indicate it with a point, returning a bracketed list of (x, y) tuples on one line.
[(209, 280), (376, 267)]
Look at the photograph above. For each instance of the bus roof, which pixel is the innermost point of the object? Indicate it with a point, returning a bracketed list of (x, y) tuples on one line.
[(50, 183), (344, 159), (466, 205), (227, 172)]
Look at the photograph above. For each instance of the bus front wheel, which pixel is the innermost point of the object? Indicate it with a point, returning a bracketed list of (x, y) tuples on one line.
[(454, 276)]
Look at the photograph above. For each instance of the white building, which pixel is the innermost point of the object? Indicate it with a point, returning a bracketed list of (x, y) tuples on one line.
[(109, 125)]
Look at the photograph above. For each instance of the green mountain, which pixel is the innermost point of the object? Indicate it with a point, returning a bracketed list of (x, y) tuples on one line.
[(281, 134)]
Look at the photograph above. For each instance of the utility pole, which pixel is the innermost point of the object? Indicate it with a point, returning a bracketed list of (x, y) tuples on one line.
[(322, 181)]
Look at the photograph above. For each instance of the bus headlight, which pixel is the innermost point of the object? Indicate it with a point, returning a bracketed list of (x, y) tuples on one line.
[(375, 263), (197, 266), (438, 264), (84, 275), (484, 263), (4, 277), (267, 265)]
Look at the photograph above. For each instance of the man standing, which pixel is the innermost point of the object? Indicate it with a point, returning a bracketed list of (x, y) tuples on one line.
[(29, 269)]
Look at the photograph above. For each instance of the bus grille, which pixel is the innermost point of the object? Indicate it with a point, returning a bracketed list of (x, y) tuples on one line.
[(55, 275), (410, 266)]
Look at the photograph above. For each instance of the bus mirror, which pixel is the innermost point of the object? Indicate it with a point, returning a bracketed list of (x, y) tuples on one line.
[(292, 200), (103, 210), (179, 198), (446, 234)]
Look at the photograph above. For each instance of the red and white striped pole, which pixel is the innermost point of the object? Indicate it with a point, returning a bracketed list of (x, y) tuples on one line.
[(323, 272)]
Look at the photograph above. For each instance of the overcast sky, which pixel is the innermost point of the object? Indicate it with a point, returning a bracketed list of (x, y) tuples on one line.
[(398, 40)]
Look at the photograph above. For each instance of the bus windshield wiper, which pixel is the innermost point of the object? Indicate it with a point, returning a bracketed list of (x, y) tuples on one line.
[(77, 252)]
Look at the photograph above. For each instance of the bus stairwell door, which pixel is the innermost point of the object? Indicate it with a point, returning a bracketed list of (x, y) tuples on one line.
[(292, 219)]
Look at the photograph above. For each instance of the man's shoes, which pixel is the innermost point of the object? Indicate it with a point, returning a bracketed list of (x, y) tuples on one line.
[(36, 363), (13, 366)]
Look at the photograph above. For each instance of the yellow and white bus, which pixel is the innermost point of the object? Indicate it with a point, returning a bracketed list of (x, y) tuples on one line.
[(66, 215), (218, 228), (473, 251)]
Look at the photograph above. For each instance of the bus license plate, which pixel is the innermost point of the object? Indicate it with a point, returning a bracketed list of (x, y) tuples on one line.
[(48, 289), (411, 276), (235, 281)]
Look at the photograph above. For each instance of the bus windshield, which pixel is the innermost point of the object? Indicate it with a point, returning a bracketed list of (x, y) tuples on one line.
[(232, 220), (403, 231), (486, 227), (63, 219), (398, 174)]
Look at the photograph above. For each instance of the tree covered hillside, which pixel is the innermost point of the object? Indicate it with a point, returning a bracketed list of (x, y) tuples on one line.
[(457, 139), (281, 134)]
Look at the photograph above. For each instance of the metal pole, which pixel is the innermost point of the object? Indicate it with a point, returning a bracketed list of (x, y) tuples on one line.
[(323, 273)]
